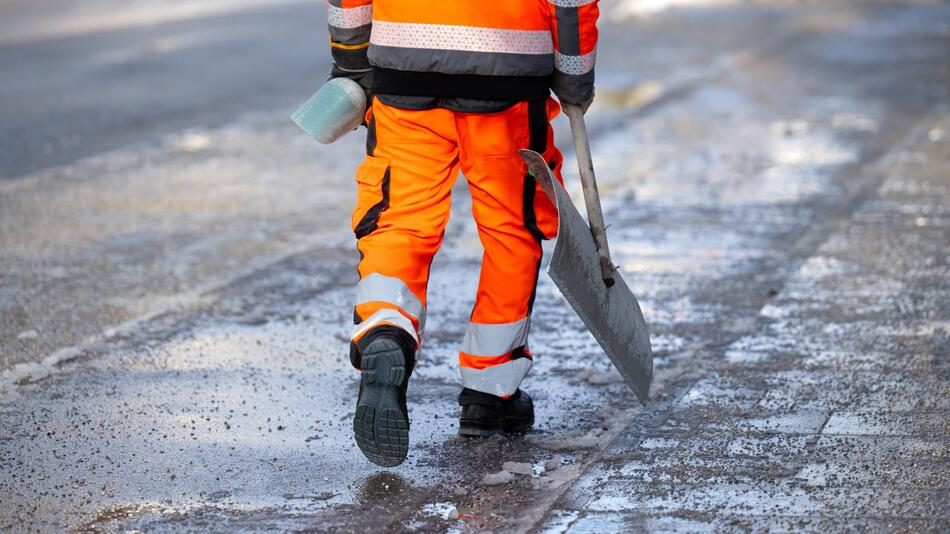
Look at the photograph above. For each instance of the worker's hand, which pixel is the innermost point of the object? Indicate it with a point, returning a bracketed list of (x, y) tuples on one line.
[(583, 104), (586, 104), (363, 77)]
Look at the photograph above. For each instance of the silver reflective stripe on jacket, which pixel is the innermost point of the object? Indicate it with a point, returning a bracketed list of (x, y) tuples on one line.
[(499, 380), (348, 18), (349, 25), (469, 38), (575, 65), (573, 78), (570, 3), (452, 49)]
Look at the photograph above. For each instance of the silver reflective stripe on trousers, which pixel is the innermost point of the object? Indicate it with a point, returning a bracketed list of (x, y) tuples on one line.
[(385, 316), (498, 380), (495, 339), (377, 287)]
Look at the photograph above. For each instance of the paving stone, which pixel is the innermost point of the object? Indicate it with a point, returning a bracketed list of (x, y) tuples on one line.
[(846, 524), (889, 424), (860, 472), (764, 498), (875, 449)]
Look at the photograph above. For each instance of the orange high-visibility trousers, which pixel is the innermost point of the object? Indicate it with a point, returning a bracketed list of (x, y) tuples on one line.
[(403, 201)]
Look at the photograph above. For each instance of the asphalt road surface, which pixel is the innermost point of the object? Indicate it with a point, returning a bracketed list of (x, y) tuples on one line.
[(177, 269)]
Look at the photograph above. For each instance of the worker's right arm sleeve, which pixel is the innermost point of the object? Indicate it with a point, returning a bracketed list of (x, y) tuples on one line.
[(575, 40), (350, 25)]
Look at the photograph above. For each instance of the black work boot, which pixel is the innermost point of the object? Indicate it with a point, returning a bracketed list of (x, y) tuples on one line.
[(485, 415), (385, 356)]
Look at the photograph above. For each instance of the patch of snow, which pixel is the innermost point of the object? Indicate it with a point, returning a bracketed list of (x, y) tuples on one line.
[(850, 121), (659, 443), (28, 334), (34, 371), (191, 142), (645, 8)]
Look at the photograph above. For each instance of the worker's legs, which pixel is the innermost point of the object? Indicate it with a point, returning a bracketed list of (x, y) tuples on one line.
[(403, 204), (402, 209), (513, 215)]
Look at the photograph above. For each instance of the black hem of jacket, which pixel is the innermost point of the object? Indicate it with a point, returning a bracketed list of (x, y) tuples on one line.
[(416, 83)]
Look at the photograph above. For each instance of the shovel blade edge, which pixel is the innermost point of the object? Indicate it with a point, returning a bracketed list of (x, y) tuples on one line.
[(611, 314)]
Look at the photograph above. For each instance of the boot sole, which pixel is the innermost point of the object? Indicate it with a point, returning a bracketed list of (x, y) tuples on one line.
[(518, 426), (510, 426), (380, 427), (475, 431)]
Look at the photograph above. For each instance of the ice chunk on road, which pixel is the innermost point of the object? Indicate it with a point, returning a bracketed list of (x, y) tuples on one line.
[(518, 468), (497, 479), (445, 510)]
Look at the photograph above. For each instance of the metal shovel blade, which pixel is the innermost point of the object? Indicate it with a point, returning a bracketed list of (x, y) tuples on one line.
[(611, 314)]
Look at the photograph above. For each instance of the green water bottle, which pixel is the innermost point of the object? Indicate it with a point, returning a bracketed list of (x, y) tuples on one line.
[(337, 108)]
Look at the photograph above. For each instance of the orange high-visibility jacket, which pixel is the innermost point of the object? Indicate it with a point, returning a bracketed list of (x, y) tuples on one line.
[(507, 50)]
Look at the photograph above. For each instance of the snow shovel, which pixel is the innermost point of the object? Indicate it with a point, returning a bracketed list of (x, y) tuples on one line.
[(582, 270)]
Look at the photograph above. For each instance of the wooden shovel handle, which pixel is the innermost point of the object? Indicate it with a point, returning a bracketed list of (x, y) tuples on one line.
[(595, 215)]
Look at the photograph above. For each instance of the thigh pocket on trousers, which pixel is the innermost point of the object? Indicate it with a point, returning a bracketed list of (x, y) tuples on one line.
[(372, 195)]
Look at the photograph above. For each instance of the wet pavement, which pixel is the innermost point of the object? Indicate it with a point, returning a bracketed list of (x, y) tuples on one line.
[(175, 311)]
